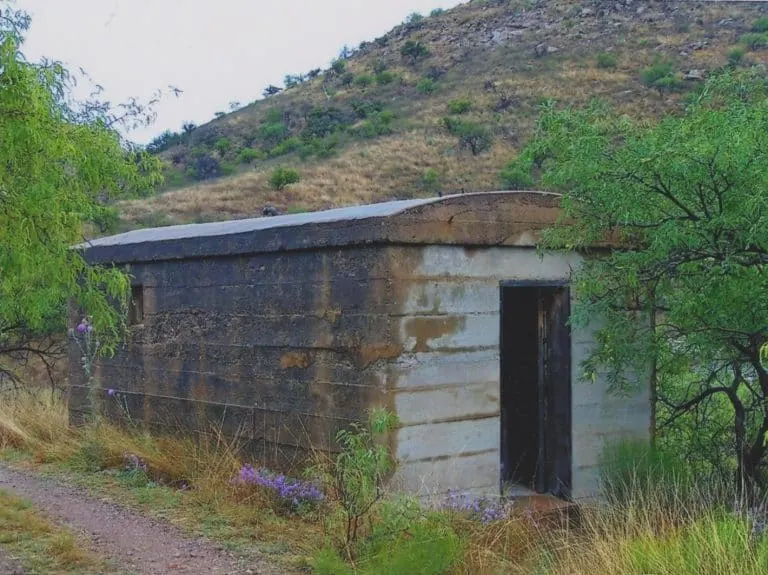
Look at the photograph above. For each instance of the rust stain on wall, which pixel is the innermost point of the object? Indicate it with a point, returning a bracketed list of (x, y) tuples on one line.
[(368, 354), (294, 359), (426, 328)]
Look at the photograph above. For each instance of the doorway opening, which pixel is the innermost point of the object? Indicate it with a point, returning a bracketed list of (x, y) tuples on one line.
[(535, 388)]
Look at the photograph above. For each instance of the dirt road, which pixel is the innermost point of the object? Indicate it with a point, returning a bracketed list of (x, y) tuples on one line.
[(136, 543)]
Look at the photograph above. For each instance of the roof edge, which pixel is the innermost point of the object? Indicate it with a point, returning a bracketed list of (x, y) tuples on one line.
[(474, 219)]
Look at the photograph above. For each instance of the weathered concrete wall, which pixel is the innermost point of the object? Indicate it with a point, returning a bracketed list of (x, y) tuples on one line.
[(284, 348), (280, 349), (446, 381)]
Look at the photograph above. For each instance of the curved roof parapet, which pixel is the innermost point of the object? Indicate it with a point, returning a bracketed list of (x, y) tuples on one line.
[(475, 219)]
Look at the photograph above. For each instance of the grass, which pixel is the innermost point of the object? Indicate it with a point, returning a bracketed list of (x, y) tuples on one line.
[(655, 519), (40, 546)]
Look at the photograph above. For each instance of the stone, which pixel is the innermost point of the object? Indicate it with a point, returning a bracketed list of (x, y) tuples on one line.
[(694, 75)]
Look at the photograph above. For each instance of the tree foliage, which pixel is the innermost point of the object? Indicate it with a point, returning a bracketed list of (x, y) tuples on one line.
[(687, 295), (61, 162)]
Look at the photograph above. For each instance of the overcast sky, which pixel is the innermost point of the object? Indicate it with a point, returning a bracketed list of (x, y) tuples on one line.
[(216, 52)]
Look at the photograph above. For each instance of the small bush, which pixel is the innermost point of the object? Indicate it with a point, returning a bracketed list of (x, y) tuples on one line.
[(347, 79), (436, 12), (338, 66), (364, 80), (414, 21), (286, 147), (606, 60), (760, 25), (754, 40), (414, 51), (223, 145), (204, 167), (282, 177), (430, 180), (475, 137), (385, 77), (513, 177), (247, 155), (322, 122), (427, 86), (365, 108), (460, 106), (736, 55), (661, 75), (377, 124), (320, 147)]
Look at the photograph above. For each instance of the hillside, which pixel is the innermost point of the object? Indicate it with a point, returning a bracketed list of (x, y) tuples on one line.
[(442, 102)]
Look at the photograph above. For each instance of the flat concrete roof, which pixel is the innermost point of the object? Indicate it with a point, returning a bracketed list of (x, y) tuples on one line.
[(487, 218)]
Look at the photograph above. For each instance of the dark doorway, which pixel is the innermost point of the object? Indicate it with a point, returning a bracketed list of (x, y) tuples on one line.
[(536, 387)]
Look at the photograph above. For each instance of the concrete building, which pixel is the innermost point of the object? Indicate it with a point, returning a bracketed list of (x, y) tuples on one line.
[(285, 329)]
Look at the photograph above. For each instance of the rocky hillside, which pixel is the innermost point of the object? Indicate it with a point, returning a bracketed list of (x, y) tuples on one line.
[(442, 103)]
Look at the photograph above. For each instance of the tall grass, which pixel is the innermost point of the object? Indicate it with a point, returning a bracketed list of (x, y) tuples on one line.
[(654, 516)]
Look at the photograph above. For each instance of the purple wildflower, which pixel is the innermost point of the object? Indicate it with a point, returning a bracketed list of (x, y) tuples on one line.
[(483, 509), (82, 327), (111, 392), (293, 493)]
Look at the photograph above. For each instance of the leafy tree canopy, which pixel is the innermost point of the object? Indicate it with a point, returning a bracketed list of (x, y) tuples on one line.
[(61, 161), (687, 197)]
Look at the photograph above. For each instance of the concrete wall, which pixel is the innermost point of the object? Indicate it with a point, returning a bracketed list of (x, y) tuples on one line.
[(283, 349), (280, 349), (446, 381)]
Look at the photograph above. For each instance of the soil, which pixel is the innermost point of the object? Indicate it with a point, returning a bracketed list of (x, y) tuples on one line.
[(134, 542), (8, 566)]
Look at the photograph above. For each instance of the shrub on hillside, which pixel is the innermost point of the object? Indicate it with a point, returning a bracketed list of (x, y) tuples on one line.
[(430, 180), (286, 147), (164, 141), (377, 124), (606, 60), (364, 108), (754, 40), (736, 55), (364, 80), (661, 75), (414, 21), (282, 177), (223, 145), (436, 12), (272, 133), (514, 178), (427, 86), (338, 66), (322, 122), (414, 51), (385, 77), (760, 25), (347, 79), (247, 155), (320, 147), (459, 106), (204, 167), (473, 136)]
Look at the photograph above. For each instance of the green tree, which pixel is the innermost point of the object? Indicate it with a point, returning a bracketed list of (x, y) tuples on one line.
[(61, 163), (686, 198)]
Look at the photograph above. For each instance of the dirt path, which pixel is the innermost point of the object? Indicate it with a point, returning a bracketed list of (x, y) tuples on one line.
[(136, 543)]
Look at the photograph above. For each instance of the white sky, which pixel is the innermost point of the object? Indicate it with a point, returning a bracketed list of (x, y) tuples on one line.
[(217, 52)]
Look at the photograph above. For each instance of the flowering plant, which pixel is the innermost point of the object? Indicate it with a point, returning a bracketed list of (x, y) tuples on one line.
[(292, 495), (482, 509)]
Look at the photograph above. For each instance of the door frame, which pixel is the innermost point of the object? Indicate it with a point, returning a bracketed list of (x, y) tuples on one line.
[(549, 428)]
